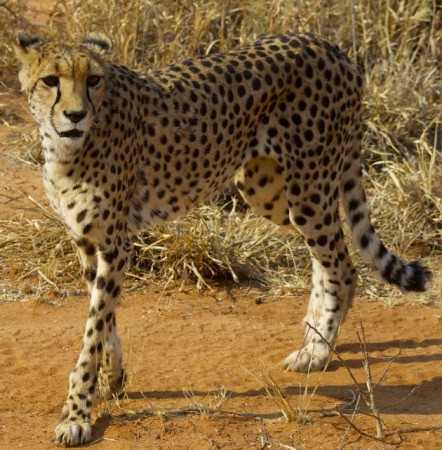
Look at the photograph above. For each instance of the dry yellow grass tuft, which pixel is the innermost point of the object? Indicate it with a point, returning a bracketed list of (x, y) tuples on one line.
[(398, 44), (213, 242)]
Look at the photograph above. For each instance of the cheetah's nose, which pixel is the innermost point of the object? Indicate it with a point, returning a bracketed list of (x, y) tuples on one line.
[(75, 116)]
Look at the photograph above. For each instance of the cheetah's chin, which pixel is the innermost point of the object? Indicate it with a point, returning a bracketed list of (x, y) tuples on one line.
[(72, 134)]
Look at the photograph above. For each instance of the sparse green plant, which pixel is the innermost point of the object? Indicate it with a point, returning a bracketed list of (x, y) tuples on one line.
[(278, 395), (210, 404)]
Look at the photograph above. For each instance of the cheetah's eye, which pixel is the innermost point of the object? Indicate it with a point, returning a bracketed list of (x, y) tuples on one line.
[(92, 80), (51, 81)]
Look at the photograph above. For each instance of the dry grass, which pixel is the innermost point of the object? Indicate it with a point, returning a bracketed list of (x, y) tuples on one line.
[(212, 243), (40, 257), (398, 43), (209, 244)]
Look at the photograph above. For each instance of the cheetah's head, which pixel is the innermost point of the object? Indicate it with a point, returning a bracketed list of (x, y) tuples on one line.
[(65, 84)]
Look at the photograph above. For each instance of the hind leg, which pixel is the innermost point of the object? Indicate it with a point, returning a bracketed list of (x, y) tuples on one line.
[(315, 216), (329, 303), (314, 310), (111, 373), (261, 184), (334, 281), (315, 307)]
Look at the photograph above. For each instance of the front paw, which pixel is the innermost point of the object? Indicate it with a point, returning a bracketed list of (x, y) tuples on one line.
[(72, 432), (311, 358)]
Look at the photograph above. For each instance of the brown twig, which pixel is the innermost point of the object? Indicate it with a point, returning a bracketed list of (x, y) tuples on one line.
[(387, 368), (4, 5), (372, 402), (370, 399), (359, 430), (333, 350)]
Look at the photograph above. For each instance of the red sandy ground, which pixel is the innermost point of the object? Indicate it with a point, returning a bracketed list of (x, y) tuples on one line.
[(184, 351)]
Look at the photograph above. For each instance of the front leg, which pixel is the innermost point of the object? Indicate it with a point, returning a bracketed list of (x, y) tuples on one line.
[(110, 375), (99, 341), (87, 253)]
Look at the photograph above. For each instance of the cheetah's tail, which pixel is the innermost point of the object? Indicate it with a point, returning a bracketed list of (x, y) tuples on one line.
[(409, 277)]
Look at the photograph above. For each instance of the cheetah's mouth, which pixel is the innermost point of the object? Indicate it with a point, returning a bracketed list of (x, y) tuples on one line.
[(73, 134)]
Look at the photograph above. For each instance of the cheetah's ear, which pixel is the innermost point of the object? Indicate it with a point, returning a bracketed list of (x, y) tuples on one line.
[(26, 50), (26, 45), (98, 43)]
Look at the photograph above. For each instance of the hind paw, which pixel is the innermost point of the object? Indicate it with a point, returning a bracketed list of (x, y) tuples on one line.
[(311, 358)]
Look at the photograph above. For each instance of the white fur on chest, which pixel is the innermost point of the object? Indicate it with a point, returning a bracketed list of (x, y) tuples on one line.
[(78, 203)]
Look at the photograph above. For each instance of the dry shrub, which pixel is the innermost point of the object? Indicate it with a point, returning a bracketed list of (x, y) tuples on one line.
[(209, 244), (212, 243), (406, 201), (38, 259), (398, 45)]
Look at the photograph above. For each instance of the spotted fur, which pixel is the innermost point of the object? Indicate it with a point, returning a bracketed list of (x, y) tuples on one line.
[(281, 115)]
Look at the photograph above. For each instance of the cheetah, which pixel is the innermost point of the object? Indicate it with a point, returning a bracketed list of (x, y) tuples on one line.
[(280, 116)]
